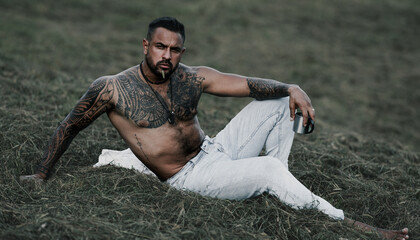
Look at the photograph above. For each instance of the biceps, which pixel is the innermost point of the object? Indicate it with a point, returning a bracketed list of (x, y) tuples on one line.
[(95, 102), (228, 85)]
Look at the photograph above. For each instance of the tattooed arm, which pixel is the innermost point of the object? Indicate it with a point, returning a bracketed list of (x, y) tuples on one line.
[(223, 84), (96, 101)]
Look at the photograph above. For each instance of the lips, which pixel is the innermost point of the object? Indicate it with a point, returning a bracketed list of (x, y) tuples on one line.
[(164, 65)]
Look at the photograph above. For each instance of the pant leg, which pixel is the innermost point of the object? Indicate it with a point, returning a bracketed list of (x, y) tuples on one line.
[(261, 123), (218, 176), (125, 159), (230, 169)]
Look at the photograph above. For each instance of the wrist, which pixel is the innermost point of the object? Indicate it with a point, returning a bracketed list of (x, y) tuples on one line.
[(291, 88), (41, 175), (42, 171)]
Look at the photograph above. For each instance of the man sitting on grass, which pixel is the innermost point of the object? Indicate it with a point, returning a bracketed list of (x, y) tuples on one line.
[(153, 106)]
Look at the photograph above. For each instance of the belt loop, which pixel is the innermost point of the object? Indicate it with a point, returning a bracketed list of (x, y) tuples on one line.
[(206, 144)]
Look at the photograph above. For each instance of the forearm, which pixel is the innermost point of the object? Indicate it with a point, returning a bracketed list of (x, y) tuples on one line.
[(95, 102), (58, 144), (262, 89)]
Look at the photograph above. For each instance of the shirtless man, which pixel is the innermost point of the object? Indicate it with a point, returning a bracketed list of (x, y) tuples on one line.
[(154, 108)]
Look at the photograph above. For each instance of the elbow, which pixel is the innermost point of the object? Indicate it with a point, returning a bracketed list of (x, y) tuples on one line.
[(69, 129)]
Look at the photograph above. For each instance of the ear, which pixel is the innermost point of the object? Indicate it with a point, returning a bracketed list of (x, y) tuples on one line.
[(145, 46), (183, 50)]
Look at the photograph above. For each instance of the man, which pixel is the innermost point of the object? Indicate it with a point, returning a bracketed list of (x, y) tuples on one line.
[(154, 108)]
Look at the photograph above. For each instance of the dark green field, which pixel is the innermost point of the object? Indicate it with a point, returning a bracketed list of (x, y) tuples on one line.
[(358, 60)]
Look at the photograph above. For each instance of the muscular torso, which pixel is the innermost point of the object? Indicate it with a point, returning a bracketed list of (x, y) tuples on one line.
[(141, 119)]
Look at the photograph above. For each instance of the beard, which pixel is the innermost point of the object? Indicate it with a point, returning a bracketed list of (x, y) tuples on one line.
[(155, 70)]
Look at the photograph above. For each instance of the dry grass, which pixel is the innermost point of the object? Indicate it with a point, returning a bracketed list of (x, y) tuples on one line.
[(358, 60)]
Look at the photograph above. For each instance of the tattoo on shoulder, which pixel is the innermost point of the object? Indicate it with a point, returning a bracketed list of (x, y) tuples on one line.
[(92, 104), (262, 89)]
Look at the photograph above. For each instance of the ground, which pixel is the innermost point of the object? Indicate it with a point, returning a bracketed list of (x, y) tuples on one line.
[(357, 60)]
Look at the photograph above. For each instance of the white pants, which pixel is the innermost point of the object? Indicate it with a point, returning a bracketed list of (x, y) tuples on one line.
[(228, 165)]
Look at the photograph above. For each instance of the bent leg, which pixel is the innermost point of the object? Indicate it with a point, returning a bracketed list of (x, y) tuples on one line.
[(261, 123), (245, 178)]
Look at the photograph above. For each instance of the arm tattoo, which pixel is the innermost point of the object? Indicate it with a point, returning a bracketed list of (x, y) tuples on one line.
[(262, 89), (93, 103)]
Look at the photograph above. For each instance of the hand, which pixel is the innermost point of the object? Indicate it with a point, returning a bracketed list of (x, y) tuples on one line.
[(34, 178), (299, 99)]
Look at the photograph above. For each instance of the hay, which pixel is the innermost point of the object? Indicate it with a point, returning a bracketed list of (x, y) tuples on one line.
[(357, 60)]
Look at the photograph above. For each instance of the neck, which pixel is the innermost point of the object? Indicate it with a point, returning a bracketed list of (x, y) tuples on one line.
[(159, 81)]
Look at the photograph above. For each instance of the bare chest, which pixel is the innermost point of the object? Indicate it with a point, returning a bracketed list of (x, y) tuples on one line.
[(150, 108)]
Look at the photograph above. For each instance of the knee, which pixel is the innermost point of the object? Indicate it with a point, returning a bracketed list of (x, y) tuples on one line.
[(274, 166), (276, 105), (270, 169), (283, 104)]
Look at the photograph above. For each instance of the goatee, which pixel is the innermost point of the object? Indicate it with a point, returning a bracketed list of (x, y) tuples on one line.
[(161, 74)]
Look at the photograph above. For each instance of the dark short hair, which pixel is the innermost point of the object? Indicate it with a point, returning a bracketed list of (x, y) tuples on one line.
[(169, 23)]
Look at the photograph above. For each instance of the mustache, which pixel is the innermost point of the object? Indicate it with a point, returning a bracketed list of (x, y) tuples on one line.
[(165, 62)]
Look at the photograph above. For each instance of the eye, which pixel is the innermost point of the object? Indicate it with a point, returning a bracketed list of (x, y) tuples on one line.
[(160, 46), (176, 50)]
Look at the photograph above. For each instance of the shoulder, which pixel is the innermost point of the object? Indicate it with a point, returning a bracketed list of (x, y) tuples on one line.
[(131, 74), (187, 74), (185, 69), (198, 73), (100, 91), (202, 71), (110, 81), (102, 87), (106, 87), (209, 76), (102, 82)]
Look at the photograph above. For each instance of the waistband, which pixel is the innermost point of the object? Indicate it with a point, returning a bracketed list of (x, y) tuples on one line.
[(205, 147)]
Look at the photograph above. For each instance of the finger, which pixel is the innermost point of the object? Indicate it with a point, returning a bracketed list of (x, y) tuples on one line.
[(31, 178), (305, 117), (292, 110), (312, 113)]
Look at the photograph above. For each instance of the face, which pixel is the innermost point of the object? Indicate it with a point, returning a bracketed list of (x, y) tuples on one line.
[(163, 52)]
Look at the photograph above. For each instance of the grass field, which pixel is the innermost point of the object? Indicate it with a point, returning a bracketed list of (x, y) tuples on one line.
[(358, 60)]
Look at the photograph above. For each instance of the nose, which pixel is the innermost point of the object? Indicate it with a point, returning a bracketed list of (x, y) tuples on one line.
[(167, 54)]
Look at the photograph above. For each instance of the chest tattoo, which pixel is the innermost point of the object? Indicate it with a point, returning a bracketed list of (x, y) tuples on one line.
[(187, 89), (138, 103)]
